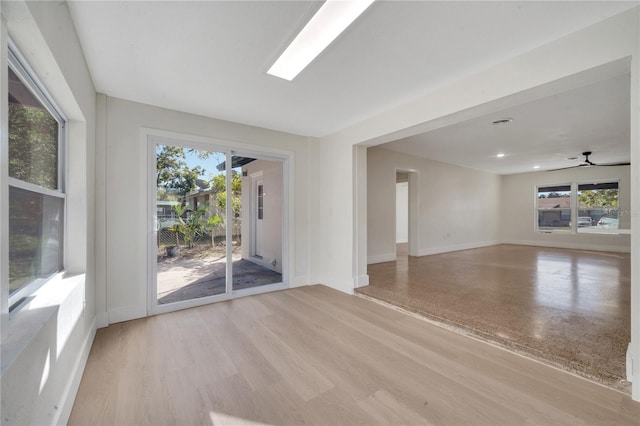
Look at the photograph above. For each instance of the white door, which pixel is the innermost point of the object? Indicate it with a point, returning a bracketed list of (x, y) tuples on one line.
[(259, 218)]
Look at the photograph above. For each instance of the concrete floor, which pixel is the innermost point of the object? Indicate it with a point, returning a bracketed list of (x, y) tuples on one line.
[(190, 278), (568, 308)]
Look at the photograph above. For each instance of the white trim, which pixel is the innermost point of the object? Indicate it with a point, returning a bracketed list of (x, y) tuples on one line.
[(204, 143), (27, 186), (300, 281), (126, 313), (629, 363), (258, 290), (27, 76), (71, 389), (4, 187), (361, 281), (23, 69), (151, 138), (102, 319), (379, 258), (229, 219), (457, 247), (152, 226), (573, 246), (574, 208), (192, 303)]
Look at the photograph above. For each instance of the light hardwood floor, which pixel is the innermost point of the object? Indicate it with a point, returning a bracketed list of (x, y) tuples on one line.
[(312, 355)]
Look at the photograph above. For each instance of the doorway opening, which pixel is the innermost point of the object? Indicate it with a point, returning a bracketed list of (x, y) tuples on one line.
[(218, 224), (402, 214), (406, 214)]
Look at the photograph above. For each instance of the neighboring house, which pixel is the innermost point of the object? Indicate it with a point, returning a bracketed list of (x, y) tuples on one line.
[(554, 203), (165, 212), (200, 198), (559, 217)]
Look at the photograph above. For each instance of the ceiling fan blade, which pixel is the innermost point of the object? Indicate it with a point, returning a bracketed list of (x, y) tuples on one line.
[(570, 167), (615, 164)]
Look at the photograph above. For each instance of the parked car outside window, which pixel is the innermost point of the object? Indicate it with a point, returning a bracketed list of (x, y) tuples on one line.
[(608, 222), (584, 221)]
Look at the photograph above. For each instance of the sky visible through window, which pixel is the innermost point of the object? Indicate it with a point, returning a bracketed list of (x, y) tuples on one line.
[(208, 164)]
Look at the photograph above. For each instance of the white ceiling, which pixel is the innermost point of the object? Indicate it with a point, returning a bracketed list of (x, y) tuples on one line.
[(544, 132), (210, 58)]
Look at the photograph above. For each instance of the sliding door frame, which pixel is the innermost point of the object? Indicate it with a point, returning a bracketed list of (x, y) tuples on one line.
[(151, 138)]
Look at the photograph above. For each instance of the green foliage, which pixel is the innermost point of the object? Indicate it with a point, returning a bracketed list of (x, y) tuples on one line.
[(33, 145), (215, 221), (218, 185), (172, 172), (191, 227), (598, 198), (167, 195), (556, 195)]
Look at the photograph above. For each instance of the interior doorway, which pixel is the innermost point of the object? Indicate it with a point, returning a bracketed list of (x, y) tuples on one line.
[(402, 214), (406, 214)]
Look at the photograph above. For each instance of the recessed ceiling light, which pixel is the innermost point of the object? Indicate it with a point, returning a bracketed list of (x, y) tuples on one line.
[(502, 121), (333, 17), (536, 167), (500, 155)]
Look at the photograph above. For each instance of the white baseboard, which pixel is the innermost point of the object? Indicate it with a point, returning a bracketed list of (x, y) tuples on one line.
[(456, 247), (629, 364), (300, 281), (102, 320), (361, 281), (127, 313), (71, 389), (379, 258), (574, 246)]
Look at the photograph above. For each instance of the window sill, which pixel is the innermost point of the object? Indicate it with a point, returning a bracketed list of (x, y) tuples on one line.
[(595, 231), (33, 318), (604, 231)]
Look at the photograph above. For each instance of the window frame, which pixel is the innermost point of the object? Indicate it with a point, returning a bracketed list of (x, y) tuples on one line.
[(17, 63), (574, 208), (578, 208), (538, 209)]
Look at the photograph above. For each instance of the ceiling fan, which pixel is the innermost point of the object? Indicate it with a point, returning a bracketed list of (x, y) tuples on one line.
[(589, 163)]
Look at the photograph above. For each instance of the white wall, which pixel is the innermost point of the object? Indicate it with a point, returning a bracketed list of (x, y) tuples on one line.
[(578, 59), (126, 188), (402, 212), (457, 207), (273, 209), (519, 216), (47, 343), (333, 236)]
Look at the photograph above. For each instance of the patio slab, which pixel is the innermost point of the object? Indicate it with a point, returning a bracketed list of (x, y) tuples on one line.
[(186, 279)]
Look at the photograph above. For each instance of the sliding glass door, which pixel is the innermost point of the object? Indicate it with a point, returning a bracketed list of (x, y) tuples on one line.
[(218, 224)]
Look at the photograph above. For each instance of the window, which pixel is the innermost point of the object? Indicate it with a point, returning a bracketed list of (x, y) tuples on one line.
[(554, 208), (578, 207), (597, 206), (36, 185), (260, 201)]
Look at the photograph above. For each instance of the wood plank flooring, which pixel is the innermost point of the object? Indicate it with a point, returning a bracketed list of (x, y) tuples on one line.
[(313, 355)]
